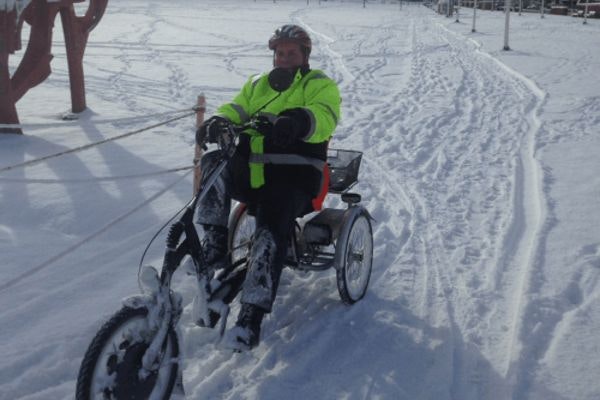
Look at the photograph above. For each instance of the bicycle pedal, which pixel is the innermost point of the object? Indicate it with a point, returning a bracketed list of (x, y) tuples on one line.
[(213, 318)]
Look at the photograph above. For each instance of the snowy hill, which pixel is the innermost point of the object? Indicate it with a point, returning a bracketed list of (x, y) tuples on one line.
[(480, 167)]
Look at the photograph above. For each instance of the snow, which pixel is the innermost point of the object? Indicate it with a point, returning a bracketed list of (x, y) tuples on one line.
[(12, 4), (480, 168), (18, 5)]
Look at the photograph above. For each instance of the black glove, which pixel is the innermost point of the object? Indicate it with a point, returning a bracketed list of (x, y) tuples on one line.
[(263, 125), (211, 130), (290, 126)]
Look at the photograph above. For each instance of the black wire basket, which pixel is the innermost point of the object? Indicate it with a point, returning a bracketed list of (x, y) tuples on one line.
[(343, 169)]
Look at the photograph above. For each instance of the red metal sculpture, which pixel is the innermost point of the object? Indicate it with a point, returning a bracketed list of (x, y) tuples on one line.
[(34, 68)]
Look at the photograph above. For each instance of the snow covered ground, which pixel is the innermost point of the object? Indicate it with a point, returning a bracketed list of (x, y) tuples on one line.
[(481, 168)]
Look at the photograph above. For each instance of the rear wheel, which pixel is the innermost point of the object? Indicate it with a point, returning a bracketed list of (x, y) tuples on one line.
[(241, 228), (354, 256), (111, 366)]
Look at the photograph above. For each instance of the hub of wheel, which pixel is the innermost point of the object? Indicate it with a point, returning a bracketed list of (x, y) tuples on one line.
[(128, 384)]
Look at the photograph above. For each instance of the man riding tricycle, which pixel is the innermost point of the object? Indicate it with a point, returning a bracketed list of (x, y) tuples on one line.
[(272, 157)]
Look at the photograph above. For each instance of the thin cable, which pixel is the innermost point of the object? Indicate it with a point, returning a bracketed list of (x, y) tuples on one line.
[(210, 179), (115, 121), (94, 179), (87, 146), (90, 237), (152, 241)]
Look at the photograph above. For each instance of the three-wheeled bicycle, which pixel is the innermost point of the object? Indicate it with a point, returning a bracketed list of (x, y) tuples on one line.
[(135, 354)]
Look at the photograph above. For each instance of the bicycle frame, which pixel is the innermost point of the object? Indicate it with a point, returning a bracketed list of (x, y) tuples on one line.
[(217, 291), (164, 305)]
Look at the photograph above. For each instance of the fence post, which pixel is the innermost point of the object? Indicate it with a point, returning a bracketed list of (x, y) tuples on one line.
[(457, 10), (542, 10), (507, 7), (200, 108), (9, 42), (475, 6)]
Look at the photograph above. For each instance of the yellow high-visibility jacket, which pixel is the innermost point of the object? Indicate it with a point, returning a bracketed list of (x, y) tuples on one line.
[(312, 91)]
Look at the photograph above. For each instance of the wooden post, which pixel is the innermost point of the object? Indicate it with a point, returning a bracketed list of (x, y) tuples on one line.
[(200, 108)]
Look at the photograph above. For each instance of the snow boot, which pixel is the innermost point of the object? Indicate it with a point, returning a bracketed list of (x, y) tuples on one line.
[(245, 335), (214, 246)]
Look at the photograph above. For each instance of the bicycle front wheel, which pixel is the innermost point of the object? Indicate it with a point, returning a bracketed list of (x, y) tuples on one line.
[(111, 366)]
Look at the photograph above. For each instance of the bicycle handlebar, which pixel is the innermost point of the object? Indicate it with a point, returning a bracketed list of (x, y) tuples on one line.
[(227, 140), (227, 143)]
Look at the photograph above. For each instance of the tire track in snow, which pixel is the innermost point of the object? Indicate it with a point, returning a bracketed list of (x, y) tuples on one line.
[(436, 163), (522, 244), (377, 100), (436, 167), (380, 140), (391, 240), (398, 263), (401, 104), (422, 151)]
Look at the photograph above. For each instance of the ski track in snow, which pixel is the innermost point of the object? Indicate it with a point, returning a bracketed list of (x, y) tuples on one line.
[(450, 174)]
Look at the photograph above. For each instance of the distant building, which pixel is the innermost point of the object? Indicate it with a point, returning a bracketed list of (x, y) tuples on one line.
[(559, 10), (443, 5), (593, 9)]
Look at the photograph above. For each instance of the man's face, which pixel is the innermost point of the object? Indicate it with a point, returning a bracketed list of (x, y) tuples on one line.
[(288, 55)]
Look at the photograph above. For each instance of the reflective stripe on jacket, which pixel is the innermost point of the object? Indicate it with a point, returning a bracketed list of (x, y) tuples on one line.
[(311, 90)]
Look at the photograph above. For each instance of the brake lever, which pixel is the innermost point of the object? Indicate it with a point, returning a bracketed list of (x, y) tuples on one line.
[(227, 141)]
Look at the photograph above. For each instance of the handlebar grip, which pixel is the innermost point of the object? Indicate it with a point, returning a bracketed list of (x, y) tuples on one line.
[(201, 136)]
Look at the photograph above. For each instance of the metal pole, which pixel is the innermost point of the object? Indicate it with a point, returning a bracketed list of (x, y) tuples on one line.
[(520, 6), (507, 13), (457, 11), (201, 103), (542, 10), (474, 16), (585, 12)]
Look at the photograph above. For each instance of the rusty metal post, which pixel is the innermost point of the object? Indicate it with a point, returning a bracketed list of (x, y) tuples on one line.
[(75, 42), (8, 110), (200, 109), (77, 30), (34, 67)]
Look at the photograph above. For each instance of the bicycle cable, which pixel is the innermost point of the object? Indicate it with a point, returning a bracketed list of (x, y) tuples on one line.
[(154, 238)]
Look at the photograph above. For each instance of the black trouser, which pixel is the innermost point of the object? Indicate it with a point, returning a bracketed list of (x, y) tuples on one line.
[(276, 210)]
